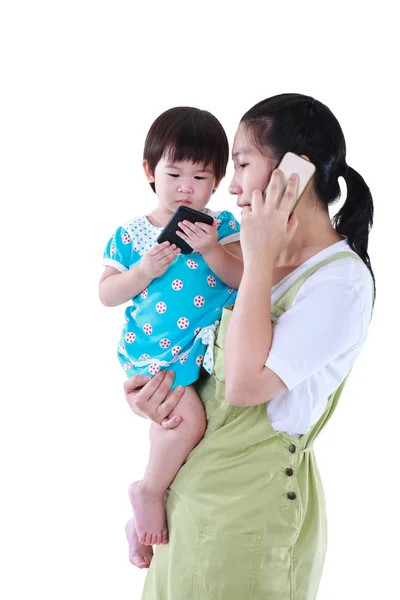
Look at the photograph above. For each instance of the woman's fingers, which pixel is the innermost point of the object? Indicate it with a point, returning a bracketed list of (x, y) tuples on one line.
[(172, 422), (292, 225), (290, 195), (135, 382), (275, 189), (161, 403), (144, 400), (166, 408), (257, 201)]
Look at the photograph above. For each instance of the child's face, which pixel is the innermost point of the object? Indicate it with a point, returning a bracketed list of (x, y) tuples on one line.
[(252, 168), (182, 183)]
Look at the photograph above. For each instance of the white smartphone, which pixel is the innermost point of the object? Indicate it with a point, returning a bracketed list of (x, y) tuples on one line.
[(292, 163)]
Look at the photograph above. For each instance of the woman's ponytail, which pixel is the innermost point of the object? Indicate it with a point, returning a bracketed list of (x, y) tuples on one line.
[(355, 218)]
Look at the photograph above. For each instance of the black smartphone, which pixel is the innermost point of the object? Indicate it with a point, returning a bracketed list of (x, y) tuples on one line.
[(182, 213)]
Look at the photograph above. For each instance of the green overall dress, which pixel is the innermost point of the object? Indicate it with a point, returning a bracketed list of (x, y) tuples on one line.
[(246, 512)]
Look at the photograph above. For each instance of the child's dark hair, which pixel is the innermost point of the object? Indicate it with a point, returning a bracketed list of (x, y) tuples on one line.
[(186, 133), (301, 124)]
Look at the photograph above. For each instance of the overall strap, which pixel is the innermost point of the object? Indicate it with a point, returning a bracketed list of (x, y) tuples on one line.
[(286, 301)]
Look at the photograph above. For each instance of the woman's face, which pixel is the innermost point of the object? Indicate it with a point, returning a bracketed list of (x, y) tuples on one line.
[(252, 168)]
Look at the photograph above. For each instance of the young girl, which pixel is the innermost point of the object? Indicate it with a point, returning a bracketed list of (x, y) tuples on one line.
[(177, 299)]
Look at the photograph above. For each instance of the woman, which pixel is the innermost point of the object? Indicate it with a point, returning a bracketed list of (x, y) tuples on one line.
[(246, 511)]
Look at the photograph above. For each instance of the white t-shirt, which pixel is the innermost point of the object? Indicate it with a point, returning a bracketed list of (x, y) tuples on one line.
[(316, 342)]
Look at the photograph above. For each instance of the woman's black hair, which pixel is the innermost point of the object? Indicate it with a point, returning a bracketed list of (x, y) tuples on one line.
[(187, 133), (303, 125)]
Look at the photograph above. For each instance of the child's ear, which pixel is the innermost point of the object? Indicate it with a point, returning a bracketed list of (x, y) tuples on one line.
[(216, 184), (148, 172)]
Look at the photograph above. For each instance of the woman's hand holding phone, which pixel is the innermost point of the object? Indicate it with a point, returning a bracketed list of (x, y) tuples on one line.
[(266, 228)]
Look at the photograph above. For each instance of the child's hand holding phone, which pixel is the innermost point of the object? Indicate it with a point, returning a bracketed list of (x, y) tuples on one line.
[(185, 214), (201, 237)]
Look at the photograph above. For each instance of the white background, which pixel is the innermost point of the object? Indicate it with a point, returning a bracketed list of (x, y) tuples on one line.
[(81, 84)]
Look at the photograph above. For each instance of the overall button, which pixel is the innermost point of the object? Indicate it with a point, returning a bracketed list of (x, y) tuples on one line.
[(289, 472), (291, 495), (292, 448)]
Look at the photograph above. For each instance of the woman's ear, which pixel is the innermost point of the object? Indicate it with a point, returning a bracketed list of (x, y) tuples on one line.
[(148, 172)]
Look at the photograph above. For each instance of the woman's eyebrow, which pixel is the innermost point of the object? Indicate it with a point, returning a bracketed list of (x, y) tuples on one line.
[(241, 151)]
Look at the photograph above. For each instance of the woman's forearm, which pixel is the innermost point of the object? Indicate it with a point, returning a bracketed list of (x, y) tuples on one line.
[(249, 334), (121, 287)]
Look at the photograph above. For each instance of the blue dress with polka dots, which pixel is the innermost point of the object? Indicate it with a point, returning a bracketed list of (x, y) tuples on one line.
[(171, 324)]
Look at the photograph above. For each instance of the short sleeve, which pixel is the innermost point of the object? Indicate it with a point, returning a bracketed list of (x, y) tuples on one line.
[(119, 252), (228, 228), (323, 325)]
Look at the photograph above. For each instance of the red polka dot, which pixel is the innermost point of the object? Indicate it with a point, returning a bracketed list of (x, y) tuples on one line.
[(177, 284), (199, 301), (192, 264), (183, 323), (161, 307)]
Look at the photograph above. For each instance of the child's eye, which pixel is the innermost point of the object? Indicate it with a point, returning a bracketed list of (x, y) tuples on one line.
[(198, 177), (172, 174), (243, 165)]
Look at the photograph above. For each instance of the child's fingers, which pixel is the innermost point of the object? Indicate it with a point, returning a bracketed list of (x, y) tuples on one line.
[(189, 228), (166, 260), (204, 227), (185, 238), (171, 252), (161, 252), (159, 248)]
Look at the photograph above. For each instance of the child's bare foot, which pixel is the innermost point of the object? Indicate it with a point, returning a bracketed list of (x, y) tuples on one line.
[(149, 511), (139, 554)]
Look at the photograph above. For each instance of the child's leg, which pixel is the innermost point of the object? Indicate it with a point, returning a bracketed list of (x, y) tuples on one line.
[(168, 450)]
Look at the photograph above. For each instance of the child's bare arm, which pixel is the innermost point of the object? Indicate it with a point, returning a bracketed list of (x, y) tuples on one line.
[(116, 288), (226, 262)]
